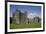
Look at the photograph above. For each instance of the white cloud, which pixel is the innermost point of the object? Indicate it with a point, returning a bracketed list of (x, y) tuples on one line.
[(32, 15)]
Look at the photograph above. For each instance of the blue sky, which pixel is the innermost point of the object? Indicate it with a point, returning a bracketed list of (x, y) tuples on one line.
[(34, 10)]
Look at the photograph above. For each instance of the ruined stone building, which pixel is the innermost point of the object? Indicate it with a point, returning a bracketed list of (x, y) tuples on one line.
[(20, 17)]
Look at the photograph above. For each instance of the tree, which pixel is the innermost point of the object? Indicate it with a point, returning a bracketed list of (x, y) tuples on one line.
[(10, 20)]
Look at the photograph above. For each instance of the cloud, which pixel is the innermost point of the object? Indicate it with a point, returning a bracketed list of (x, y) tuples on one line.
[(32, 15)]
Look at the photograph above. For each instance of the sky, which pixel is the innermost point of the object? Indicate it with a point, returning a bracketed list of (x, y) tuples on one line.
[(31, 10)]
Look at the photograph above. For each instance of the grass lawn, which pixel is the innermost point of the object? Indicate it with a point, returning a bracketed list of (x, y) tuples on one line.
[(20, 26)]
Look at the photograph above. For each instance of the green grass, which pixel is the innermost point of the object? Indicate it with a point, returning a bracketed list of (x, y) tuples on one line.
[(20, 26)]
